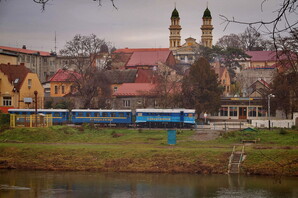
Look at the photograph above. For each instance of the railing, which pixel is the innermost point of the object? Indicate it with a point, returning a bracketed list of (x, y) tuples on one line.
[(230, 160), (240, 159)]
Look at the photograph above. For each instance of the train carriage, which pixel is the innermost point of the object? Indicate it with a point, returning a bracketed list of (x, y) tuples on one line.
[(165, 118), (60, 116), (103, 117)]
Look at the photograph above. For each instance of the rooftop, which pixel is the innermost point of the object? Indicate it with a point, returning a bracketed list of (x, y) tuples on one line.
[(16, 74), (131, 50), (121, 76), (25, 51), (148, 58), (135, 89), (63, 75)]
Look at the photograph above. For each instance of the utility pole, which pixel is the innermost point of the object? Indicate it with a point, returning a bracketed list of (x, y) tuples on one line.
[(35, 94), (269, 96)]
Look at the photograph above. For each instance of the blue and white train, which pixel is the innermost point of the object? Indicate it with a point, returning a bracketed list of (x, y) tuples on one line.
[(145, 118)]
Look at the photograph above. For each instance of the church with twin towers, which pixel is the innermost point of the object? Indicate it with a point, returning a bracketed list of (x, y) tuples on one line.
[(185, 52)]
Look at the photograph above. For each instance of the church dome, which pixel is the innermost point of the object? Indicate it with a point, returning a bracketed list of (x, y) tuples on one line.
[(175, 14), (207, 14)]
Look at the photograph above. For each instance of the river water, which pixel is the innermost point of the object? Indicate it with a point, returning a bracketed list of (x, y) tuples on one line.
[(52, 184)]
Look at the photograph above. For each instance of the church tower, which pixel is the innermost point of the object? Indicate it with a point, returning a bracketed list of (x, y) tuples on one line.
[(207, 28), (175, 28)]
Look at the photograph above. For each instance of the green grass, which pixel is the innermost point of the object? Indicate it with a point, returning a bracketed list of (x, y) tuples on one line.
[(287, 137), (87, 148)]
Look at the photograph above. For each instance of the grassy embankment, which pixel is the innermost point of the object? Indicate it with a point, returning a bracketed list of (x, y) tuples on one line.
[(83, 148)]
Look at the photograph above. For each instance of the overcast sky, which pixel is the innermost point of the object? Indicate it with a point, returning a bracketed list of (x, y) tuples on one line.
[(136, 23)]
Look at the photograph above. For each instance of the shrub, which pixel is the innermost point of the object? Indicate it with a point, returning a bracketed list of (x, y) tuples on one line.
[(282, 132)]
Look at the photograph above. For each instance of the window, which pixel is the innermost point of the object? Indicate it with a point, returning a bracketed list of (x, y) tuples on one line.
[(63, 89), (261, 112), (56, 114), (126, 103), (105, 114), (6, 101), (233, 111), (56, 89), (121, 114), (115, 89), (113, 114), (96, 114), (29, 83), (80, 114), (88, 114), (252, 111), (224, 111), (27, 59)]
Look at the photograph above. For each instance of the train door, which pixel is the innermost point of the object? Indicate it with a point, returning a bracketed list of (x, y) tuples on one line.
[(242, 112)]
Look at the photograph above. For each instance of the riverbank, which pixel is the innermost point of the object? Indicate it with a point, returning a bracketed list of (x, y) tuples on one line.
[(124, 150)]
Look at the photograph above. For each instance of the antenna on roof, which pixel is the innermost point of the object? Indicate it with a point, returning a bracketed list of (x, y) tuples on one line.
[(55, 44)]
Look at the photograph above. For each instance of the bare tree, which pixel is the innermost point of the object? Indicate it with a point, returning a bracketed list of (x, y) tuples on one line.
[(278, 24), (91, 84), (45, 2), (231, 40), (168, 85)]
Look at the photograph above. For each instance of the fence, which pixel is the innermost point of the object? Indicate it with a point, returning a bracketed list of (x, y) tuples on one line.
[(31, 120), (224, 125)]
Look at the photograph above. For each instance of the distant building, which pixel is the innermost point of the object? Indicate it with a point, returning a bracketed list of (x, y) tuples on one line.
[(207, 28), (223, 77), (135, 95), (8, 58), (188, 52), (39, 62), (17, 87), (150, 59), (175, 29), (62, 82)]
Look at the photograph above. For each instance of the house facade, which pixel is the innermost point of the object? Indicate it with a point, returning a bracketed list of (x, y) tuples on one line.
[(39, 62), (17, 87)]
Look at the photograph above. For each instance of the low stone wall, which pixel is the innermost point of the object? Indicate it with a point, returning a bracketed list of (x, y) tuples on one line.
[(273, 123)]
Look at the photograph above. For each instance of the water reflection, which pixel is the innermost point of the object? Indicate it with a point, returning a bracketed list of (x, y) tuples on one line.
[(47, 184)]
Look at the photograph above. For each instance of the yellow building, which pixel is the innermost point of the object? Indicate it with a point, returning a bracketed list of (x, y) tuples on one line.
[(8, 58), (62, 82), (17, 87)]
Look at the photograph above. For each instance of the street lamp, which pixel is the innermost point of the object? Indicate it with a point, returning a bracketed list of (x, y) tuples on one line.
[(269, 96)]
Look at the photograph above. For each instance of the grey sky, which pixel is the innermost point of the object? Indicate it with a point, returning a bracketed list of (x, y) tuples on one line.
[(136, 23)]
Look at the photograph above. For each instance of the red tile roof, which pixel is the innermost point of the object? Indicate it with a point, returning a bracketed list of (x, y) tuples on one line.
[(262, 55), (25, 51), (145, 76), (131, 50), (63, 75), (135, 89), (150, 58), (14, 72)]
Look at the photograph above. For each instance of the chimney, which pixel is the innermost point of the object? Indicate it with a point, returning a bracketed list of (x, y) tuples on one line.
[(24, 47)]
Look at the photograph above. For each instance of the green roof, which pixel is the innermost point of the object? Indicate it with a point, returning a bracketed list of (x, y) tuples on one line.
[(175, 14), (207, 14)]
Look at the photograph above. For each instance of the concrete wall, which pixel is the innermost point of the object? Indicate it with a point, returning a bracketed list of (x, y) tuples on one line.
[(273, 123)]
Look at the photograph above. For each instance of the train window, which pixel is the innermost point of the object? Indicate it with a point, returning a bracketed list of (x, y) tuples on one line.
[(104, 114), (80, 114), (88, 114), (140, 114), (56, 114), (96, 114), (121, 114), (113, 114)]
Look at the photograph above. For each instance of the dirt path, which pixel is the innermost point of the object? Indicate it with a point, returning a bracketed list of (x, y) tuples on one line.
[(205, 134)]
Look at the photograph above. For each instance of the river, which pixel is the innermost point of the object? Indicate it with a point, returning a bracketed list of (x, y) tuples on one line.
[(52, 184)]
